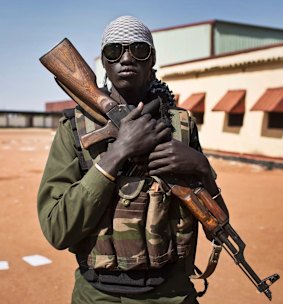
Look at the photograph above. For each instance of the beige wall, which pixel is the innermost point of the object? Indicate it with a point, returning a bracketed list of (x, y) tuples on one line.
[(253, 137), (181, 44)]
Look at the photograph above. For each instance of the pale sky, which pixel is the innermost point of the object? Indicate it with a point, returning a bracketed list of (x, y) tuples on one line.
[(30, 28)]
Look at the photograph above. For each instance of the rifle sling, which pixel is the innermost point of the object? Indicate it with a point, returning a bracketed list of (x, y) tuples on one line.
[(212, 263)]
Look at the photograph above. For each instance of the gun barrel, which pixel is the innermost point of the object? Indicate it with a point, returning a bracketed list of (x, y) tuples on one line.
[(238, 256)]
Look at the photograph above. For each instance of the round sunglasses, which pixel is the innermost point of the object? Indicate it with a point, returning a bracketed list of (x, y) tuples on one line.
[(138, 50)]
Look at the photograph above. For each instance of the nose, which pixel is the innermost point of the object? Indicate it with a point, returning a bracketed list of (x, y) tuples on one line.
[(127, 57)]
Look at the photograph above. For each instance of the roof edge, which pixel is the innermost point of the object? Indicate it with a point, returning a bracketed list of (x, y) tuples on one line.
[(213, 22), (175, 27), (269, 46)]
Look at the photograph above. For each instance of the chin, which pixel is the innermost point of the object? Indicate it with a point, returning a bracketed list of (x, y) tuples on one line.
[(128, 85)]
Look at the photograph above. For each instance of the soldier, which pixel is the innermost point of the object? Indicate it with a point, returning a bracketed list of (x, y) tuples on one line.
[(134, 242)]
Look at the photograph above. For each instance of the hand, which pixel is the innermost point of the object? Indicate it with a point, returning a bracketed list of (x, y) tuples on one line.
[(140, 134), (174, 157)]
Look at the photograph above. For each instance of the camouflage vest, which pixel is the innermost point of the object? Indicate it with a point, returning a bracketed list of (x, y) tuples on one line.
[(144, 227)]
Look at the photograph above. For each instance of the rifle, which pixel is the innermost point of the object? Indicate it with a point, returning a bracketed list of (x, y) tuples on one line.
[(74, 75)]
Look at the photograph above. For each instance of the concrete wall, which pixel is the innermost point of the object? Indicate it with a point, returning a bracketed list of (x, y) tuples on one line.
[(29, 120), (3, 120), (46, 121), (18, 120)]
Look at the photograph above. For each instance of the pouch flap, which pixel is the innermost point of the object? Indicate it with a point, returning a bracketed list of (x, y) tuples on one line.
[(130, 187)]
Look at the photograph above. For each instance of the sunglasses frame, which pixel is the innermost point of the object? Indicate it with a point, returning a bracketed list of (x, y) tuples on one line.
[(129, 50)]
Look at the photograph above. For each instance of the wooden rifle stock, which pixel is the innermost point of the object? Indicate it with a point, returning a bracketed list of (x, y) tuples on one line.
[(74, 74), (76, 77)]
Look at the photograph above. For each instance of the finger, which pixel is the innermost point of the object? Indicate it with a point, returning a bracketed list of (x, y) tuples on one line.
[(157, 155), (160, 126), (164, 135), (161, 147), (160, 171), (151, 124), (158, 163), (135, 113)]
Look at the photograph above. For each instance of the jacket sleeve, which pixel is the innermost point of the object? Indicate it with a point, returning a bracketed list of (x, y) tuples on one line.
[(70, 205)]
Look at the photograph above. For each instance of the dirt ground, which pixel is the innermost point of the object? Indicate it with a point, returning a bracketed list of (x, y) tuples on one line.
[(253, 195)]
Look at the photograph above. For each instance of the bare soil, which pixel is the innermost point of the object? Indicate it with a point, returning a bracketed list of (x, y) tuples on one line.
[(253, 196)]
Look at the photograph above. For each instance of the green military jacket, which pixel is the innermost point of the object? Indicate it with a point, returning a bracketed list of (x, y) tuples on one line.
[(71, 204)]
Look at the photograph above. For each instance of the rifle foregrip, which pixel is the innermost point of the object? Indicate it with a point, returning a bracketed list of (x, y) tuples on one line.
[(65, 62), (197, 208), (212, 205)]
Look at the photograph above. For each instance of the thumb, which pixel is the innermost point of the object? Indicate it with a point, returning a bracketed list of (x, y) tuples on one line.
[(135, 113)]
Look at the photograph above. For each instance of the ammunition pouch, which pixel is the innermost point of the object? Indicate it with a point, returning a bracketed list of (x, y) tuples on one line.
[(141, 234)]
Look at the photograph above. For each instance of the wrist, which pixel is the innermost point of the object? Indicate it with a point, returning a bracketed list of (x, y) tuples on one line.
[(113, 159), (204, 169), (118, 151), (105, 173)]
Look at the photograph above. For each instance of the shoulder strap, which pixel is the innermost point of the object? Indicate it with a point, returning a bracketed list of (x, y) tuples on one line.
[(70, 114), (181, 123)]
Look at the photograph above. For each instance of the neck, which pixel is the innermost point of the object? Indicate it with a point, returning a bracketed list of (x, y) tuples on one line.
[(131, 97)]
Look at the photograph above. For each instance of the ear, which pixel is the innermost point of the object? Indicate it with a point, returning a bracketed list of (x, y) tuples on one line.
[(153, 56), (102, 60)]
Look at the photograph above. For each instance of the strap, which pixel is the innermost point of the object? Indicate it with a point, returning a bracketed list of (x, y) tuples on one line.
[(70, 114), (212, 263), (205, 282), (181, 123)]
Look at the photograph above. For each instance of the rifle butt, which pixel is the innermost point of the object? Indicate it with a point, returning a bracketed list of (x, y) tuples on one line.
[(69, 67)]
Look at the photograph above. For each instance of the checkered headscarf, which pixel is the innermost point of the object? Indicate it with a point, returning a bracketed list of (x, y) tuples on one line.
[(126, 29)]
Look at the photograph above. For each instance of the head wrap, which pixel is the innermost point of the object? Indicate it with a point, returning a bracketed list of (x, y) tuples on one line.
[(126, 29)]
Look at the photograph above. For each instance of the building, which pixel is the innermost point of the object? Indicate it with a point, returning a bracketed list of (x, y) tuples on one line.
[(230, 77), (29, 119), (59, 106), (32, 119), (237, 99), (203, 40)]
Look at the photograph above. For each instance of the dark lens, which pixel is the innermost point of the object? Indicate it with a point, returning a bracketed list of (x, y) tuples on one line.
[(140, 50), (112, 51)]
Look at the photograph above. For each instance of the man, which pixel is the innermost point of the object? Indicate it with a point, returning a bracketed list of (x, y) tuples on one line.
[(134, 242)]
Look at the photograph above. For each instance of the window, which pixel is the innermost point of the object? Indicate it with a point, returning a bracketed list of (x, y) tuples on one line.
[(233, 104), (198, 117), (235, 120), (275, 120), (195, 104), (271, 102)]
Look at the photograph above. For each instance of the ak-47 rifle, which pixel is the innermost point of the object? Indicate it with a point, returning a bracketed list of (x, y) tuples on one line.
[(74, 75)]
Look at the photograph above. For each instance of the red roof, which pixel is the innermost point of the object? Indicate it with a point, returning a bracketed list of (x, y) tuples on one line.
[(59, 106), (194, 103), (177, 97), (270, 101), (232, 102)]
